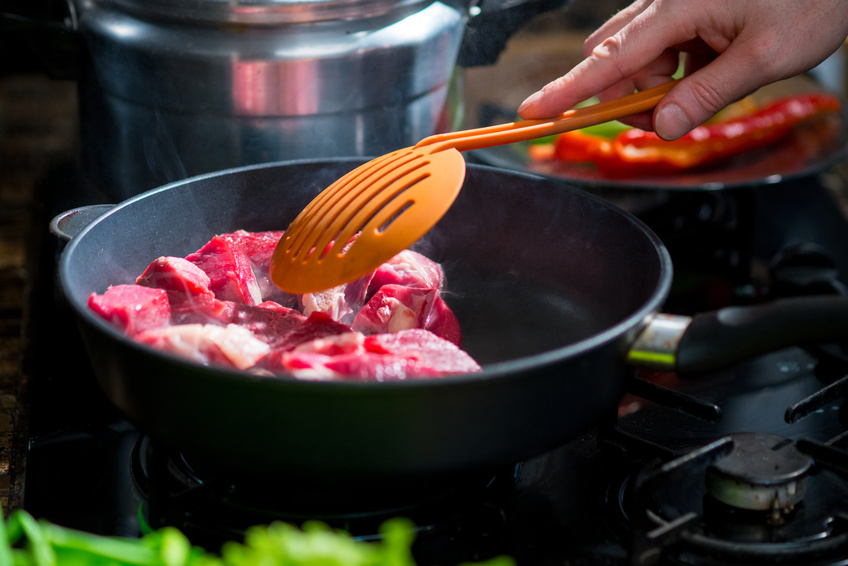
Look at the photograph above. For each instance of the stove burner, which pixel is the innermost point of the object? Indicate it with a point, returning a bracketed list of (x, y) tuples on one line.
[(462, 517), (667, 514), (763, 472)]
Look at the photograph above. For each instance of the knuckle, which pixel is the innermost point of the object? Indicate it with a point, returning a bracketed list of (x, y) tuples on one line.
[(707, 97), (556, 85), (764, 53), (609, 48), (772, 57), (609, 52)]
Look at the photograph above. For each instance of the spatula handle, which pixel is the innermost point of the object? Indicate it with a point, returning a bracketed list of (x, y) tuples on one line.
[(524, 130)]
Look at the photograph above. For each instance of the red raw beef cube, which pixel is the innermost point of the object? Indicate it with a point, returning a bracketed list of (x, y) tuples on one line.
[(334, 345), (442, 322), (316, 326), (394, 308), (280, 327), (230, 274), (176, 274), (188, 290), (258, 248), (132, 308), (340, 303), (309, 360), (379, 367), (208, 344), (409, 269), (200, 309), (317, 339), (434, 354), (408, 354), (285, 329)]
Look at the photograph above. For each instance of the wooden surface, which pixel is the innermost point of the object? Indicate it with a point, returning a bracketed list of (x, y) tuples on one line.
[(38, 130)]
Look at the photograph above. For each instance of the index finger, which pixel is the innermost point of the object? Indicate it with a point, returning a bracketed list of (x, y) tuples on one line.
[(615, 59)]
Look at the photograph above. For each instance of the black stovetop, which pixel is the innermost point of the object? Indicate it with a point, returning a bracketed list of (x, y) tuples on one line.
[(88, 468)]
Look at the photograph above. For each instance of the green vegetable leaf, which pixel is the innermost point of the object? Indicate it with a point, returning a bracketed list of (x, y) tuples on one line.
[(27, 542), (39, 546), (606, 129)]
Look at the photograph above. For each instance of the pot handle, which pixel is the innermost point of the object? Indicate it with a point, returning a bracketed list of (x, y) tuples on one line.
[(711, 341), (68, 224), (52, 38), (488, 30)]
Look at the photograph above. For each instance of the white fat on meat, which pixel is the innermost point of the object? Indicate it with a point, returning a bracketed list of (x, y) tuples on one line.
[(331, 302), (394, 308), (400, 317), (340, 303), (206, 343)]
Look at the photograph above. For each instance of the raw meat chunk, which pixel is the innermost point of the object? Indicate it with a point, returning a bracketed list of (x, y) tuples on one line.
[(394, 308), (187, 286), (199, 309), (227, 346), (132, 308), (340, 303), (176, 274), (280, 327), (217, 306), (410, 269), (230, 274), (442, 322), (427, 354), (407, 354), (258, 248), (283, 328)]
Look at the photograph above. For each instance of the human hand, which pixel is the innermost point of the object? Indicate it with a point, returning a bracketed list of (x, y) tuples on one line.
[(729, 49)]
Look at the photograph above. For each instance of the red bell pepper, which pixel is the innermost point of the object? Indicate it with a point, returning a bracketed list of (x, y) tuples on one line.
[(636, 152)]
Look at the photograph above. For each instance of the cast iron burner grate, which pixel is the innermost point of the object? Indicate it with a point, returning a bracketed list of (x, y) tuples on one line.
[(673, 515), (720, 493), (463, 519)]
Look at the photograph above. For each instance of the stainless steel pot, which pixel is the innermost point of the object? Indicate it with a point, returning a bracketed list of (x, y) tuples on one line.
[(174, 88)]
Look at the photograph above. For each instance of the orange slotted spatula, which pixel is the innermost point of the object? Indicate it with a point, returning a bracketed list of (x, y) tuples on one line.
[(390, 202)]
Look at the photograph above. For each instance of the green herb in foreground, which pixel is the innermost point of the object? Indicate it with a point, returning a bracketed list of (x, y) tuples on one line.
[(25, 541)]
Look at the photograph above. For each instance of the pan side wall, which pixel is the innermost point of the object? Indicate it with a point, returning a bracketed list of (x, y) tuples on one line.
[(298, 430)]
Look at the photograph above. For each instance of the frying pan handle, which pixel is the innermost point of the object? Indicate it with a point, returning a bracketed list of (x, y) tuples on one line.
[(715, 340), (66, 225)]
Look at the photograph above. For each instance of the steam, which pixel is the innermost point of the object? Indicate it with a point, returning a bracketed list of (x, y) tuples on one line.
[(161, 154)]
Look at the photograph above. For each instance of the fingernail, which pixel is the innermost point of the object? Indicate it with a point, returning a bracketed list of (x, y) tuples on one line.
[(671, 123), (530, 101)]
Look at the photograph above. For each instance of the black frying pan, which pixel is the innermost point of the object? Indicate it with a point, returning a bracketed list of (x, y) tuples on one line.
[(550, 284)]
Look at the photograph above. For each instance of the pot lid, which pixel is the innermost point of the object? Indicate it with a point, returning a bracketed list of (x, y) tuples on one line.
[(267, 12)]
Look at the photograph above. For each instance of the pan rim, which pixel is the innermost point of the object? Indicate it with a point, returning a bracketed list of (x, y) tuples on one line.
[(497, 371)]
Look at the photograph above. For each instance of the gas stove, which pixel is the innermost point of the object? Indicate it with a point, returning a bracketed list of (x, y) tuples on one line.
[(746, 465)]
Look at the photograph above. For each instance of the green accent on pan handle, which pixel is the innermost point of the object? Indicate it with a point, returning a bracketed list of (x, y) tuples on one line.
[(718, 339)]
